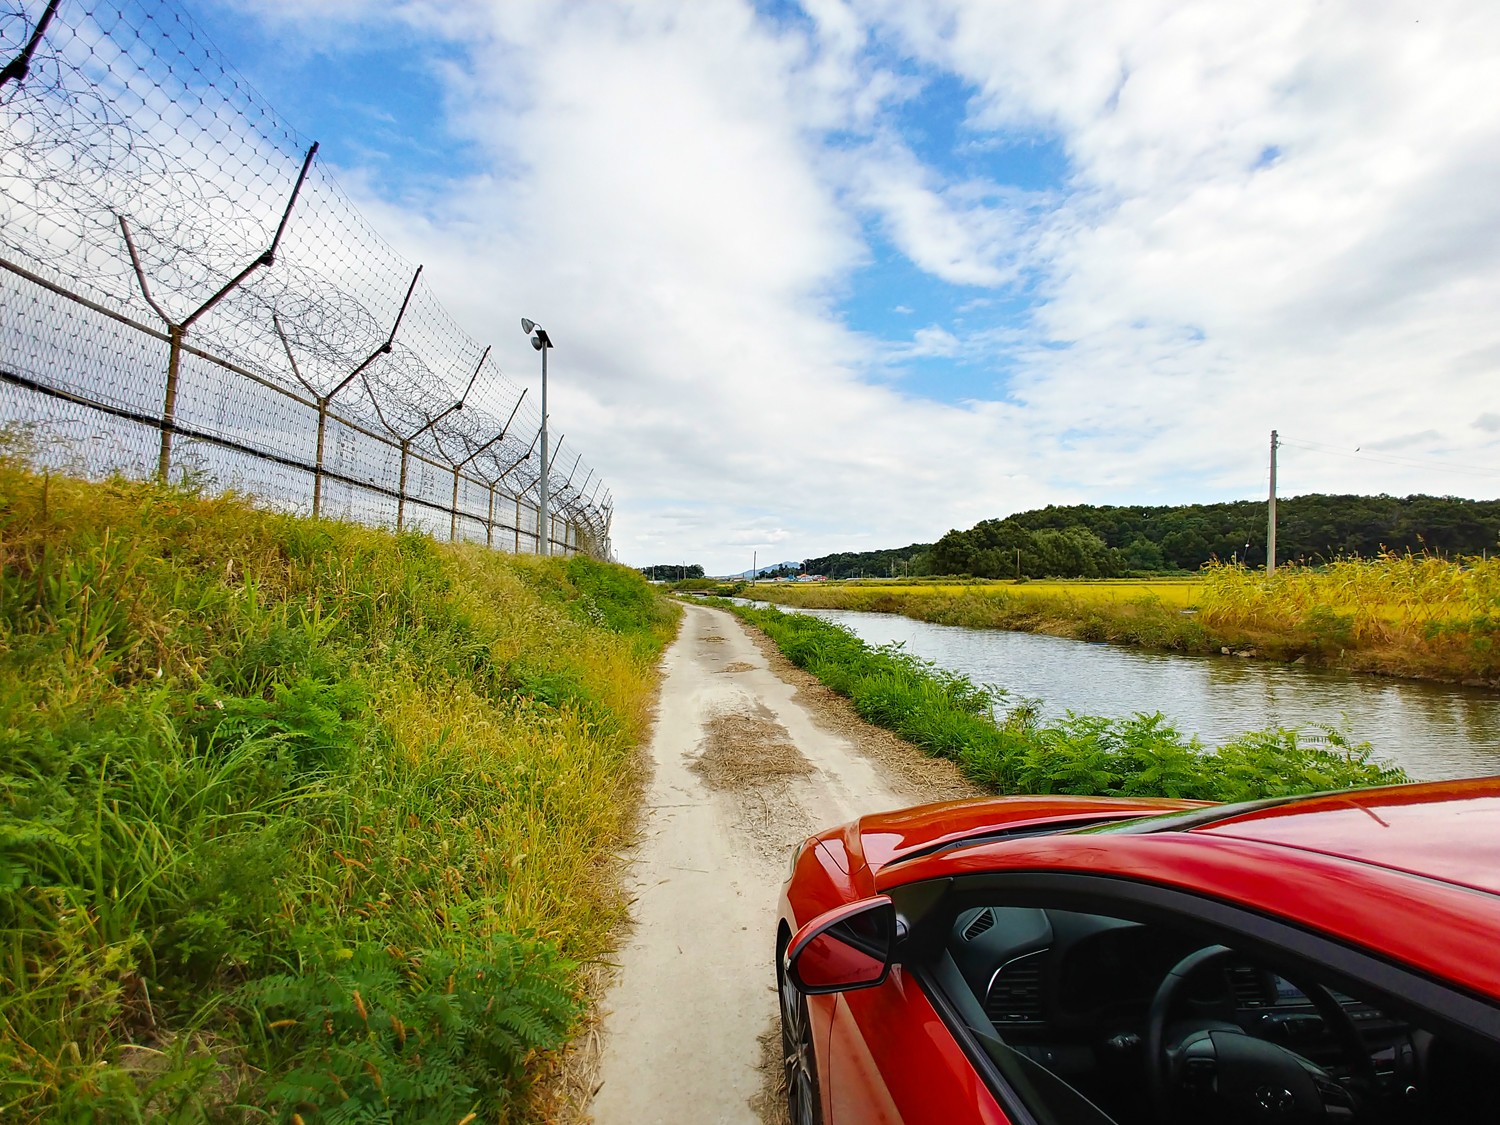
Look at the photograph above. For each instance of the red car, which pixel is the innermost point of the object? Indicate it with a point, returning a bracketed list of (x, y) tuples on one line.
[(1078, 961)]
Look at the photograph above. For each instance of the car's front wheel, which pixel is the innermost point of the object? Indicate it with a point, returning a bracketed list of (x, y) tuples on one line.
[(803, 1103)]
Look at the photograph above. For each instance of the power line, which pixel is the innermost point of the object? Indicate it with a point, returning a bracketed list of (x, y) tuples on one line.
[(1401, 462)]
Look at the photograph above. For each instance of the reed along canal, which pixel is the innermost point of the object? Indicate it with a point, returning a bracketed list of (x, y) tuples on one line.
[(1432, 731)]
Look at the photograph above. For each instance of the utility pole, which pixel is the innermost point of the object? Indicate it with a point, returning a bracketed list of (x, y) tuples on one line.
[(754, 566), (1271, 513)]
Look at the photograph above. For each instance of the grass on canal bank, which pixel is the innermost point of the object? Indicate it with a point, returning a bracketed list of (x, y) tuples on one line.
[(1412, 616), (299, 820), (949, 716)]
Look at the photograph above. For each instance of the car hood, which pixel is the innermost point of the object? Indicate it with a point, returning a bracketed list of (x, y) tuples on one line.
[(1447, 830)]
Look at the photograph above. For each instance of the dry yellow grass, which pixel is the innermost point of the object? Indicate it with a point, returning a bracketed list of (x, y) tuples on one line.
[(1382, 599), (1180, 593)]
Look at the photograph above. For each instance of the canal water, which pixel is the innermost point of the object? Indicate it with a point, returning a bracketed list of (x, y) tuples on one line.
[(1432, 731)]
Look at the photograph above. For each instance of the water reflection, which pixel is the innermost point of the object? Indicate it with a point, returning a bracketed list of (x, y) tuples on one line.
[(1431, 730)]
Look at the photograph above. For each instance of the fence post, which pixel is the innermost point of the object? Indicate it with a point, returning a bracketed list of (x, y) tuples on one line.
[(401, 489), (453, 528), (169, 405), (489, 524), (518, 525), (318, 467), (20, 66), (176, 329)]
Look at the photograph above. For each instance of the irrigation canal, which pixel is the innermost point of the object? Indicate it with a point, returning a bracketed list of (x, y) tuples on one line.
[(1433, 731)]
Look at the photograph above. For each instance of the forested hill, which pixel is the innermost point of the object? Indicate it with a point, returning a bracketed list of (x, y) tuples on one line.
[(1083, 540)]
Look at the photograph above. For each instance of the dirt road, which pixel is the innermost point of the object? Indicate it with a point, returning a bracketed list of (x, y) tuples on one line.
[(750, 757)]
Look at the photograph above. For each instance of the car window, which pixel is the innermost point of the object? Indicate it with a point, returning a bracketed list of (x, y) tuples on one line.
[(1093, 1017)]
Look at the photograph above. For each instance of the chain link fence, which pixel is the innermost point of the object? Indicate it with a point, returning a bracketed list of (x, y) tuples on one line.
[(185, 288)]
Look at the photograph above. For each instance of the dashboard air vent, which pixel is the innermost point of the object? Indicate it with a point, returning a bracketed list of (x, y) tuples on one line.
[(1015, 995), (1249, 988), (982, 921)]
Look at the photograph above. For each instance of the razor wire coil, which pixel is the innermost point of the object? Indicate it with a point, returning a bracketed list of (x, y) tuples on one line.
[(184, 286)]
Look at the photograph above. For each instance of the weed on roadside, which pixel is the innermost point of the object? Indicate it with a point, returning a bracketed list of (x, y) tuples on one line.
[(297, 817)]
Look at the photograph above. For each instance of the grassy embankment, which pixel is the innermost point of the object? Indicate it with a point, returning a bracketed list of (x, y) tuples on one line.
[(1400, 615), (300, 821), (949, 716)]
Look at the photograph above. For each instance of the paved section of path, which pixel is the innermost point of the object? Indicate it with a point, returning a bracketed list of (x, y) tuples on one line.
[(742, 772)]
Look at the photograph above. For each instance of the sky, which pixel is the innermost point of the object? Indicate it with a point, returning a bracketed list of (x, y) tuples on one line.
[(840, 276)]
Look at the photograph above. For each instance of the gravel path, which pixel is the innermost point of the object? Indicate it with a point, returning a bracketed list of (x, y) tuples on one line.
[(750, 755)]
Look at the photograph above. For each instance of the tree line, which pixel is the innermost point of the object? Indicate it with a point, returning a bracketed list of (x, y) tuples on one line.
[(1108, 541), (894, 562), (672, 572)]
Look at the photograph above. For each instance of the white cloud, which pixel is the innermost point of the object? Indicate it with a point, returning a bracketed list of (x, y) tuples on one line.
[(1272, 217), (967, 233), (934, 340), (662, 204), (1204, 293), (1425, 438)]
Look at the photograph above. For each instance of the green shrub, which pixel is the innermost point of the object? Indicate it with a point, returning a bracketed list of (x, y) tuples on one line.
[(412, 1038)]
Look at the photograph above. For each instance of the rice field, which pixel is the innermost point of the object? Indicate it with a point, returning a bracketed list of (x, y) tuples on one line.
[(1380, 600), (1405, 615)]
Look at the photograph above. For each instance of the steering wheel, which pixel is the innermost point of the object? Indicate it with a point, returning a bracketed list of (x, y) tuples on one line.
[(1230, 1076)]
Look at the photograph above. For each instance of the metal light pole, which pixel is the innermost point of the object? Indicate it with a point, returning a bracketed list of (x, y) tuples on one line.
[(541, 342)]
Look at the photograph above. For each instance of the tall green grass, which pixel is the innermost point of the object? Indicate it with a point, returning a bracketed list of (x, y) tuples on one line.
[(1014, 751), (299, 820)]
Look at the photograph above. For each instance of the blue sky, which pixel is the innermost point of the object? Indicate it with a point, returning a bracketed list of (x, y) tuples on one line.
[(377, 105), (368, 98), (840, 275)]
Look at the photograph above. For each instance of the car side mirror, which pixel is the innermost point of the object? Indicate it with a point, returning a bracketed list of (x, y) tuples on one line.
[(846, 948)]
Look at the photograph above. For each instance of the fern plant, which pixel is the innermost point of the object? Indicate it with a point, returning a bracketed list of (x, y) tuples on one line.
[(386, 1036)]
